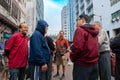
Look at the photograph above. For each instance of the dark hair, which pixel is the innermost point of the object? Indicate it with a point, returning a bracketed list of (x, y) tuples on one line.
[(86, 17), (20, 26), (61, 31)]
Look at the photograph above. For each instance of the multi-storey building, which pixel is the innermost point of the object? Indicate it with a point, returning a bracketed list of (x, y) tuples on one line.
[(114, 28), (105, 11), (31, 15), (65, 22), (71, 18), (22, 7), (39, 10), (35, 12), (12, 12), (84, 7)]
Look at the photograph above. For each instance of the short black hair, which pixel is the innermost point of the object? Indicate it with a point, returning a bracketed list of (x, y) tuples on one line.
[(86, 17), (61, 31), (20, 26)]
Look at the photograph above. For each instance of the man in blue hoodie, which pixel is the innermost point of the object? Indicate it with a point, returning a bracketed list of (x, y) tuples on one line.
[(39, 52)]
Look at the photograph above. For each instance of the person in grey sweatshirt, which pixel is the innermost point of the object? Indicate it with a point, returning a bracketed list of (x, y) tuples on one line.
[(104, 49)]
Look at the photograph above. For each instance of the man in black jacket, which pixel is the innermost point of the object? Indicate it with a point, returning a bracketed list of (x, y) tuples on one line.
[(115, 46), (52, 48)]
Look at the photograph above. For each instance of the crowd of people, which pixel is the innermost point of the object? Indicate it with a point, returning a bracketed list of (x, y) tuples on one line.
[(89, 52)]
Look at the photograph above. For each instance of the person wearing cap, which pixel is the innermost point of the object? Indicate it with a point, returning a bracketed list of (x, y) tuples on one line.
[(104, 49), (39, 52), (84, 53)]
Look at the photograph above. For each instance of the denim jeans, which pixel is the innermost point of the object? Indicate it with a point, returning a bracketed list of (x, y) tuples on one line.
[(49, 70), (105, 65), (29, 70), (85, 73), (17, 74)]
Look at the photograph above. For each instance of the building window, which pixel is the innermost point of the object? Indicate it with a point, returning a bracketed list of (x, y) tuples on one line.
[(20, 1), (6, 4), (116, 14), (88, 1), (76, 1), (90, 9), (8, 1), (15, 12), (82, 7), (81, 1), (113, 2)]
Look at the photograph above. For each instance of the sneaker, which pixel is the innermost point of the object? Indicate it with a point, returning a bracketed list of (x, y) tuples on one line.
[(62, 77), (56, 75)]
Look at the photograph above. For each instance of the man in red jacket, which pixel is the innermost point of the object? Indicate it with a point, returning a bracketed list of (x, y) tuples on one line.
[(84, 52), (16, 49)]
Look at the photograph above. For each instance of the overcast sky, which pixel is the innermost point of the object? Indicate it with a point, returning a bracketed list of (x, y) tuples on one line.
[(52, 14)]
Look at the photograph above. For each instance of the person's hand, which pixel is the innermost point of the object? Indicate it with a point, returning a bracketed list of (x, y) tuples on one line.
[(28, 79), (67, 55), (53, 66), (70, 51), (112, 54), (44, 67)]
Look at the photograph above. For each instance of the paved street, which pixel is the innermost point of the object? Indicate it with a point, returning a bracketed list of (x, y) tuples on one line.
[(68, 73)]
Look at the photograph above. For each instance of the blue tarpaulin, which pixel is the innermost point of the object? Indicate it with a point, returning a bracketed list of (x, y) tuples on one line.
[(2, 46)]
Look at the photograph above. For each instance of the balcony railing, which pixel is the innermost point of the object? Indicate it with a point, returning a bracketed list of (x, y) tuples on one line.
[(76, 1), (15, 12), (89, 4), (12, 8), (81, 1), (82, 12), (82, 7), (6, 4), (90, 12)]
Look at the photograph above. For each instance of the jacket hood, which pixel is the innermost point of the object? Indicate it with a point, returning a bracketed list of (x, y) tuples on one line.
[(89, 28), (41, 25)]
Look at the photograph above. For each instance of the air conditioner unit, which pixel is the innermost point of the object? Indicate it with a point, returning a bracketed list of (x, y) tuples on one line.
[(118, 18), (114, 19)]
